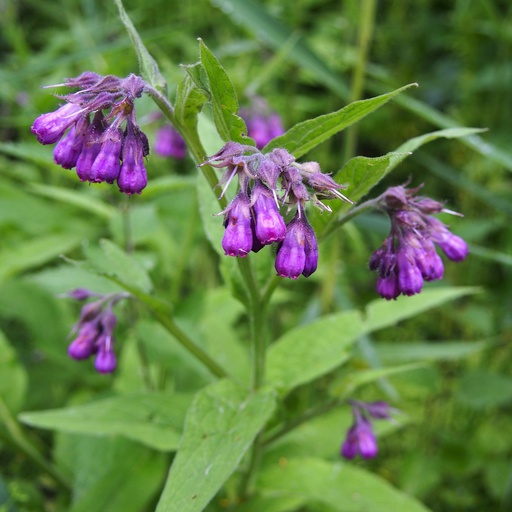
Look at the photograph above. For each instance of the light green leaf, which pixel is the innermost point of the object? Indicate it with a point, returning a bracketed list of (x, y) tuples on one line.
[(114, 474), (211, 77), (342, 486), (381, 313), (438, 351), (147, 65), (188, 104), (304, 136), (115, 263), (221, 425), (13, 384), (153, 419), (35, 252), (311, 350), (361, 174), (76, 198), (326, 343)]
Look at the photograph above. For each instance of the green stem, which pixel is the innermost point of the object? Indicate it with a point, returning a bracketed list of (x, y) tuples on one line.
[(18, 438), (170, 325), (365, 35)]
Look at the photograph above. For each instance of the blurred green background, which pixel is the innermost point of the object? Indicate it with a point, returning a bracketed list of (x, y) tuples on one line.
[(306, 57)]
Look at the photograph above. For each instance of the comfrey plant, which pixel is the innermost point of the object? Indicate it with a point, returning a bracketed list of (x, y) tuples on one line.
[(251, 383)]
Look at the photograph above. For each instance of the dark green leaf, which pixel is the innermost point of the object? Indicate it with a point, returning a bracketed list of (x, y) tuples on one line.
[(304, 136)]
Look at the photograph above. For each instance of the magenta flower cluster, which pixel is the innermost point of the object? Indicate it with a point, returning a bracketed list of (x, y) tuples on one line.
[(97, 132), (360, 438), (267, 183), (95, 329), (408, 256)]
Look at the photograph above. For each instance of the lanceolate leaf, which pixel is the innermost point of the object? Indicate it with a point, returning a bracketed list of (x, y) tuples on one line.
[(153, 419), (309, 351), (148, 65), (304, 136), (340, 486), (211, 77), (221, 425)]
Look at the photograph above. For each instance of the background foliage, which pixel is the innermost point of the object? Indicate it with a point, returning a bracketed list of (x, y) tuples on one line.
[(452, 450)]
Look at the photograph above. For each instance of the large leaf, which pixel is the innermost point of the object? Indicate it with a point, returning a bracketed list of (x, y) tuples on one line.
[(381, 313), (221, 425), (480, 389), (304, 136), (153, 419), (341, 486), (148, 65), (314, 349), (308, 351)]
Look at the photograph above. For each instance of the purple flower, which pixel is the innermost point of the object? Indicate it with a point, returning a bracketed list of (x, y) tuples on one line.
[(269, 225), (238, 237), (408, 256), (49, 128), (95, 329), (170, 143), (132, 177), (95, 149), (298, 253), (360, 440)]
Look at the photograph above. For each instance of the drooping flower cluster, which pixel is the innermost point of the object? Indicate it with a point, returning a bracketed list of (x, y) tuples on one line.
[(263, 125), (266, 183), (169, 143), (360, 438), (408, 256), (95, 329), (103, 140)]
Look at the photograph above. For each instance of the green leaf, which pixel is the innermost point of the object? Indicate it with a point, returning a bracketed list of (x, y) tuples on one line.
[(221, 425), (153, 419), (304, 136), (438, 351), (326, 343), (381, 313), (341, 486), (347, 384), (147, 65), (188, 104), (211, 77), (115, 263), (13, 384), (77, 198), (35, 252), (311, 350), (448, 133), (361, 174), (479, 389), (113, 474)]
